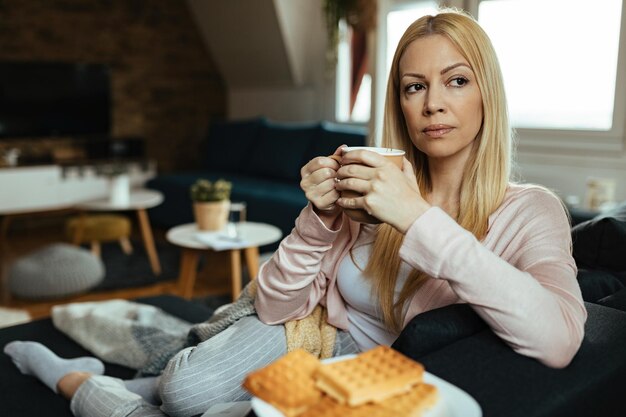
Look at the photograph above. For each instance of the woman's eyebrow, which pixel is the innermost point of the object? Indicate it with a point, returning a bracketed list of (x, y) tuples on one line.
[(453, 66), (443, 71)]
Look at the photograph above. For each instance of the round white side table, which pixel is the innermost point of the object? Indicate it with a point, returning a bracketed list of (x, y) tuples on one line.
[(250, 236)]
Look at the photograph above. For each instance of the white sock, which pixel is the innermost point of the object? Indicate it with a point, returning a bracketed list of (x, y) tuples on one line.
[(33, 358)]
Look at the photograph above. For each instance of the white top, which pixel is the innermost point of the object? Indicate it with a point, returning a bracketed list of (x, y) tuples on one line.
[(249, 234), (139, 199), (364, 316)]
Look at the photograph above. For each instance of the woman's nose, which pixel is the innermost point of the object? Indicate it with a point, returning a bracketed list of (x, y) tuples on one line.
[(434, 103)]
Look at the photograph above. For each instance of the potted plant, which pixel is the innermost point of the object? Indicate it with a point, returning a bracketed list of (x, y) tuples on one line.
[(211, 203)]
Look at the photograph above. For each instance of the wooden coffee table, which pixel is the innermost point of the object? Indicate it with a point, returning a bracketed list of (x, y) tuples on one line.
[(250, 236)]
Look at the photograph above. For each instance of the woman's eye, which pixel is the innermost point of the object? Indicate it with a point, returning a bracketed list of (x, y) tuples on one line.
[(459, 81), (411, 88)]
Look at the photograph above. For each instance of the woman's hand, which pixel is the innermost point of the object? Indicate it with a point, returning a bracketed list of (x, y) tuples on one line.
[(318, 183), (388, 193)]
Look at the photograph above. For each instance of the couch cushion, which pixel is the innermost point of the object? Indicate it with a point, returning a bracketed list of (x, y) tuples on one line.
[(617, 300), (229, 144), (279, 150), (432, 330), (596, 284), (331, 135), (601, 241), (506, 383)]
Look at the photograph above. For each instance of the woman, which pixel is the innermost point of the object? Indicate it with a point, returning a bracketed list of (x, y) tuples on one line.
[(455, 230)]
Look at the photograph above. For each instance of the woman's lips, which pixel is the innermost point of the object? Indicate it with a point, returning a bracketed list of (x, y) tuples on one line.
[(437, 132)]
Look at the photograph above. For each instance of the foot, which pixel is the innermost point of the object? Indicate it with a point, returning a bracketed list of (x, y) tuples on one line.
[(33, 358)]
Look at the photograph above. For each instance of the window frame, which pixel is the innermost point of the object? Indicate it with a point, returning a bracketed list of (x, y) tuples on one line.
[(598, 141), (380, 76)]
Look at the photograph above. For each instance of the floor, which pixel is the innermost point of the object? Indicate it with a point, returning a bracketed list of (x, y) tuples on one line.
[(26, 234)]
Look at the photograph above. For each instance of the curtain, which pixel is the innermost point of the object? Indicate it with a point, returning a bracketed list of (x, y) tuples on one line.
[(358, 52)]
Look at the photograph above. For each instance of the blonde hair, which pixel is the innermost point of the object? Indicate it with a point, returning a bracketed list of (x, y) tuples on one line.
[(487, 170)]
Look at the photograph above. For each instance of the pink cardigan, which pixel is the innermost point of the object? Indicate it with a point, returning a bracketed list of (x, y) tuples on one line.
[(521, 278)]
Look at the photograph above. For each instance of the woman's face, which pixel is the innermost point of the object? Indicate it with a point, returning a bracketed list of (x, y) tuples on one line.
[(440, 98)]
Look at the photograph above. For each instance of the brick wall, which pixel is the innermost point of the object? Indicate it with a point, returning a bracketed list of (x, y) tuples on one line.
[(165, 85)]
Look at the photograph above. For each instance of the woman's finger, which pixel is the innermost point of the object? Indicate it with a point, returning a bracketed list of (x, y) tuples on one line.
[(354, 184), (364, 157)]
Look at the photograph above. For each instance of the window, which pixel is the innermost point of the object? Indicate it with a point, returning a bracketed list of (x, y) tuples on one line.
[(399, 18), (395, 16), (398, 15), (564, 73), (559, 60), (354, 83)]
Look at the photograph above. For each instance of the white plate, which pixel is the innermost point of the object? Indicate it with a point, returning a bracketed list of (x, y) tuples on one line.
[(453, 401)]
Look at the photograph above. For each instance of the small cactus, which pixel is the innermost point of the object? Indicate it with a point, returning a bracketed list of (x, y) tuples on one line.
[(204, 190)]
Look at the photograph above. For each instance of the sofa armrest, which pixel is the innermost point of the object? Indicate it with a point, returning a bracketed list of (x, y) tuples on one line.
[(617, 300), (430, 331), (508, 384)]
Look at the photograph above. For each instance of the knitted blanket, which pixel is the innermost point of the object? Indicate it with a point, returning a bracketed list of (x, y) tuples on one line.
[(141, 336), (145, 338)]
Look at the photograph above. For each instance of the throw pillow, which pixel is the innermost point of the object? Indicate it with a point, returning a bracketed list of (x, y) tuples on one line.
[(434, 329), (601, 241)]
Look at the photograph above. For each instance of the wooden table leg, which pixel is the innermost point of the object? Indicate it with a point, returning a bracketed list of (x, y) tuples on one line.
[(80, 229), (148, 241), (235, 272), (188, 272), (252, 261), (4, 228), (5, 295)]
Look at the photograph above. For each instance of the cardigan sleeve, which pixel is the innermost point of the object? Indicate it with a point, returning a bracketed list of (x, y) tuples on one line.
[(532, 299), (293, 281)]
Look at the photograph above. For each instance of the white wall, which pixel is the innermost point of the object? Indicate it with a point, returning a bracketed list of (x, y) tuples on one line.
[(311, 96)]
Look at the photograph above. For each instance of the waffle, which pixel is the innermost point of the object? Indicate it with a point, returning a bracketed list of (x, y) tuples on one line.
[(328, 407), (372, 376), (287, 383), (413, 403)]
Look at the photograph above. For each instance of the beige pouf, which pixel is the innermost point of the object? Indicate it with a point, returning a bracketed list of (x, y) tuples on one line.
[(96, 228)]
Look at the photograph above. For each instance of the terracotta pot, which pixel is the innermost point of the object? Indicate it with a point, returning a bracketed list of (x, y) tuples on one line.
[(211, 215)]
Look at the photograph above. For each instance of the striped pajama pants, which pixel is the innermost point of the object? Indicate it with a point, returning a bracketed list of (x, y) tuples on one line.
[(197, 377)]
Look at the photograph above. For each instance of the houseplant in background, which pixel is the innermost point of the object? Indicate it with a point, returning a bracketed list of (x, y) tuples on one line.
[(358, 14), (211, 203)]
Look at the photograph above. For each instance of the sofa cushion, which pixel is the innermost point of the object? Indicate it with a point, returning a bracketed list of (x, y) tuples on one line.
[(601, 241), (506, 383), (432, 330), (596, 284), (330, 136), (279, 151), (616, 300), (229, 144)]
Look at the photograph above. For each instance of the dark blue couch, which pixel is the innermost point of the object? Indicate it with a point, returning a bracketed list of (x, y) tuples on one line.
[(263, 160)]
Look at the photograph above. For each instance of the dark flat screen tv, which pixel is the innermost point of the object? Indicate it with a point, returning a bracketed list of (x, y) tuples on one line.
[(43, 99)]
